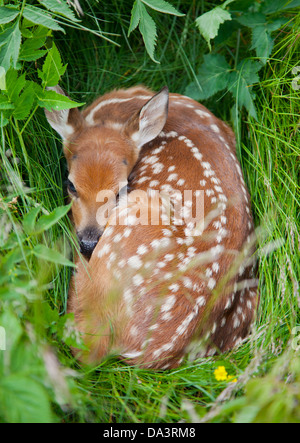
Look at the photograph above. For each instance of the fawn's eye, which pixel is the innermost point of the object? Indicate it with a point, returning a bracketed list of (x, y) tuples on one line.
[(71, 188)]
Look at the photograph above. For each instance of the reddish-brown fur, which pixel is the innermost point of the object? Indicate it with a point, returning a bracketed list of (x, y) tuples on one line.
[(155, 290)]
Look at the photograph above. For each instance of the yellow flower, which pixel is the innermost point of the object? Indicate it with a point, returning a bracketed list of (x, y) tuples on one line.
[(221, 373)]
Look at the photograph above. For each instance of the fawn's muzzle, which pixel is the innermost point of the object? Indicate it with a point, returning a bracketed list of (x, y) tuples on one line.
[(88, 240)]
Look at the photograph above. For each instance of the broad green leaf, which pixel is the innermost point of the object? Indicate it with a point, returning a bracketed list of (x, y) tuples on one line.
[(209, 23), (53, 68), (51, 100), (23, 400), (44, 253), (47, 221), (241, 85), (5, 103), (2, 79), (7, 15), (30, 219), (252, 20), (272, 6), (147, 27), (10, 42), (30, 49), (31, 55), (24, 103), (40, 17), (262, 40), (61, 8), (163, 6), (14, 84), (213, 76), (135, 17)]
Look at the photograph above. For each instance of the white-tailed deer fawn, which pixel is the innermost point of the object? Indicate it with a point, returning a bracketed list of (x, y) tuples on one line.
[(152, 291)]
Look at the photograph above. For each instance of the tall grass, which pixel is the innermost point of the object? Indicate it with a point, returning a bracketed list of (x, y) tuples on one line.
[(39, 379)]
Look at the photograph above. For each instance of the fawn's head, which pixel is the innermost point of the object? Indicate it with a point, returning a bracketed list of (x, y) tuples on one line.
[(101, 158)]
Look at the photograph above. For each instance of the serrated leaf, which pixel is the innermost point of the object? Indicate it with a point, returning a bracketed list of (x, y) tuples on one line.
[(40, 17), (262, 42), (272, 6), (241, 85), (14, 84), (148, 30), (23, 400), (7, 15), (24, 103), (5, 104), (213, 76), (251, 20), (10, 42), (47, 221), (52, 256), (32, 55), (210, 22), (53, 68), (51, 100), (135, 17), (163, 6), (60, 8), (30, 49), (30, 219)]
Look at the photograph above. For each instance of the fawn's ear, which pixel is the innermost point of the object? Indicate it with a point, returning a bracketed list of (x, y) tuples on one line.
[(66, 121), (151, 119)]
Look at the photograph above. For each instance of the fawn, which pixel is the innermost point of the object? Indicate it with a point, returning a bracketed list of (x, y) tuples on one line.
[(155, 291)]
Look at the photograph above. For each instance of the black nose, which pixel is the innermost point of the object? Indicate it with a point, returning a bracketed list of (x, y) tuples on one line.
[(88, 240), (87, 247)]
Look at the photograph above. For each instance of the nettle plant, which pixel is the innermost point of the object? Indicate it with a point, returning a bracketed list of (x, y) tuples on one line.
[(242, 33), (25, 36)]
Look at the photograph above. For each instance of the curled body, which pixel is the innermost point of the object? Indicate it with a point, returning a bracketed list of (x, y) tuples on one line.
[(164, 221)]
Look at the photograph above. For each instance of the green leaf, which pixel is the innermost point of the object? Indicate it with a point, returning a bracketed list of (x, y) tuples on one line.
[(210, 22), (272, 6), (30, 219), (163, 6), (10, 42), (60, 8), (7, 15), (44, 253), (30, 49), (147, 27), (14, 84), (24, 103), (23, 400), (135, 17), (252, 20), (40, 17), (51, 100), (47, 221), (213, 76), (53, 68), (5, 104), (241, 85), (2, 79), (262, 40)]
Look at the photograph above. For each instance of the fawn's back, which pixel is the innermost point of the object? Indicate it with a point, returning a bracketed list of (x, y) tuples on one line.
[(170, 267)]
